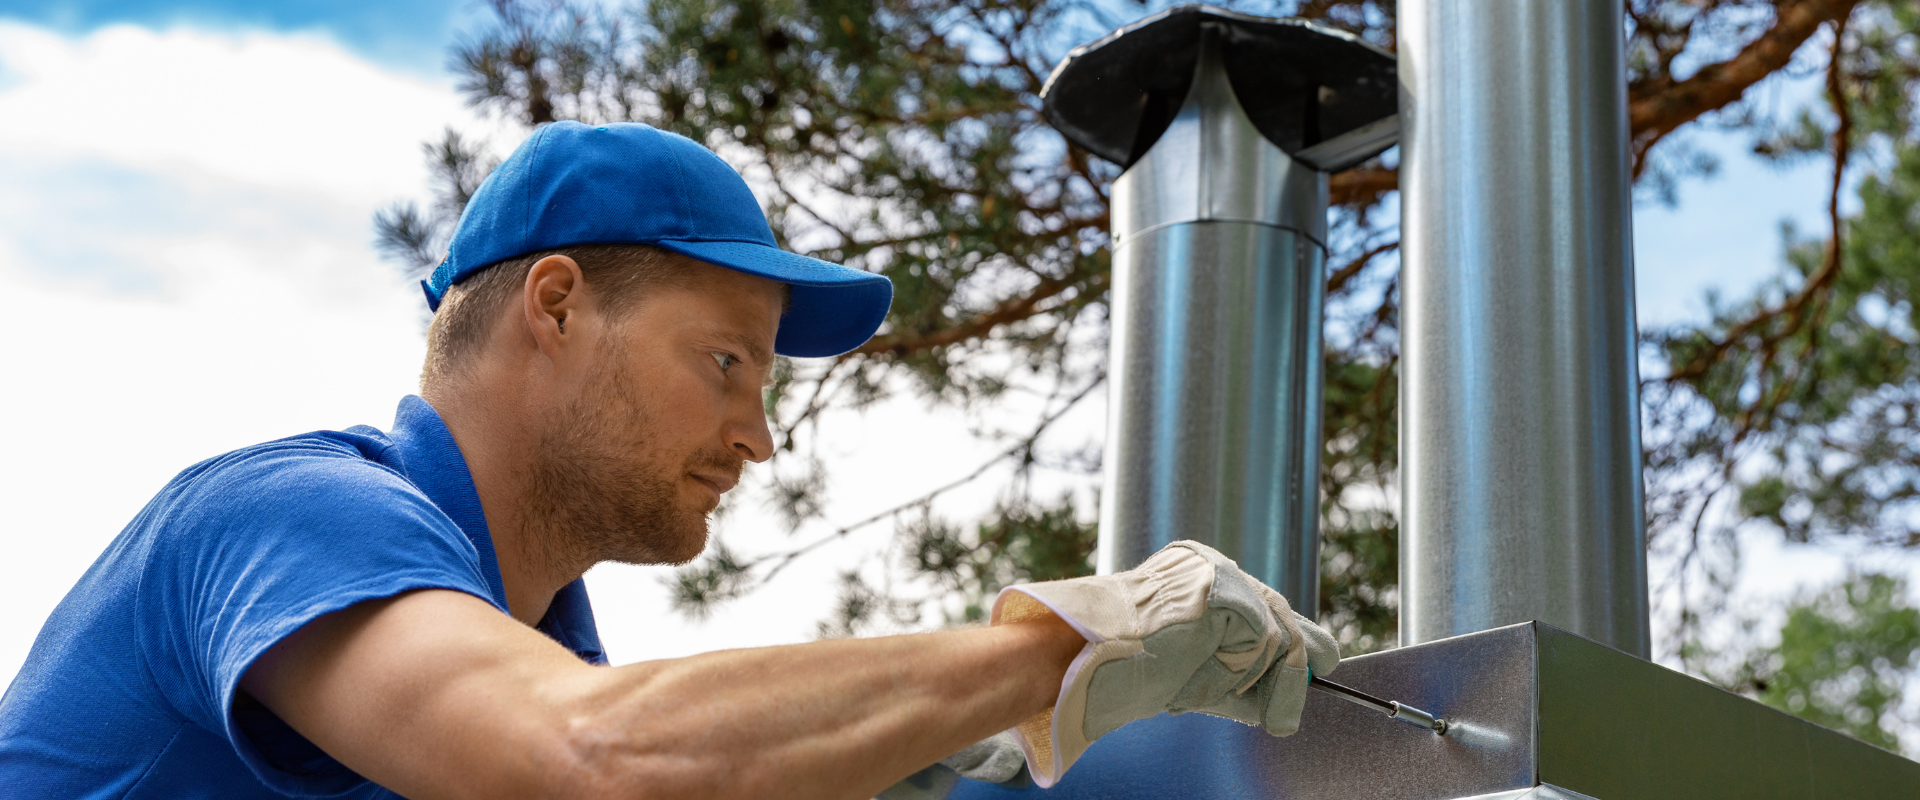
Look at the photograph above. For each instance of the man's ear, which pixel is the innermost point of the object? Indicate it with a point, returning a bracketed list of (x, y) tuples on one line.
[(551, 300)]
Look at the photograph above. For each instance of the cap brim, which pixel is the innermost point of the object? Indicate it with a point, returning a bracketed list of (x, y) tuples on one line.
[(834, 308)]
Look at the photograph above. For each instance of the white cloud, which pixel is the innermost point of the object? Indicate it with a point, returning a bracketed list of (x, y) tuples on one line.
[(257, 108)]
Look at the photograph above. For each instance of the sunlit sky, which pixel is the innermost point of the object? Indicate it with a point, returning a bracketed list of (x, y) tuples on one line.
[(185, 255)]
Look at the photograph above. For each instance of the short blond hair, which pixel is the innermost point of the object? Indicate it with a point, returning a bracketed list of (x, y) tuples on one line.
[(617, 272)]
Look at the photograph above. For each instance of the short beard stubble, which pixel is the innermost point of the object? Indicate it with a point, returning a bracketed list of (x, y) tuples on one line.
[(599, 495)]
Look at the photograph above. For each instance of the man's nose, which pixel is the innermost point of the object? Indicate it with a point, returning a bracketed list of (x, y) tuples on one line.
[(747, 432)]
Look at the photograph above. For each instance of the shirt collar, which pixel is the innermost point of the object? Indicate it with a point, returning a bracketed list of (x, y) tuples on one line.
[(431, 460)]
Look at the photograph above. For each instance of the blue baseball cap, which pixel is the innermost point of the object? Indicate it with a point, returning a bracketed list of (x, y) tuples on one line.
[(628, 183)]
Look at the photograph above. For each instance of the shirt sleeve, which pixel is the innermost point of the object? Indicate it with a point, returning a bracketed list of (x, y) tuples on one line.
[(261, 542)]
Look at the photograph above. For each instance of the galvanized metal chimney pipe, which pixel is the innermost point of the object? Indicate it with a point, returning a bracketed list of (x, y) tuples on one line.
[(1519, 437), (1227, 124), (1214, 379)]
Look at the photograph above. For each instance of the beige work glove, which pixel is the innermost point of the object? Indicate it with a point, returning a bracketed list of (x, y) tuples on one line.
[(1187, 630)]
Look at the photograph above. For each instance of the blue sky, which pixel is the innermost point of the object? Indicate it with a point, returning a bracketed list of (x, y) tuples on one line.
[(406, 34)]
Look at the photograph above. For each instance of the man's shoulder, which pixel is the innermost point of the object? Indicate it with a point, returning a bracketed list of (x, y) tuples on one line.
[(314, 450), (355, 454), (338, 475), (295, 519)]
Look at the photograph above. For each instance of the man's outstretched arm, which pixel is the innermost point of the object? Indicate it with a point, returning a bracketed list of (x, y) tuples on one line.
[(437, 694)]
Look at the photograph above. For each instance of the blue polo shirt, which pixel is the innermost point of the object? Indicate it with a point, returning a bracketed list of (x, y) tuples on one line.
[(132, 689)]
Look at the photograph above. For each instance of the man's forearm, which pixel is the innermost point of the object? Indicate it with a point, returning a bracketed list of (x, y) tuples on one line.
[(835, 719), (435, 694)]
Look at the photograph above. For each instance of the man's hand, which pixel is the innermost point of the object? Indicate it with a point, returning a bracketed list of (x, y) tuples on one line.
[(436, 694), (1185, 631)]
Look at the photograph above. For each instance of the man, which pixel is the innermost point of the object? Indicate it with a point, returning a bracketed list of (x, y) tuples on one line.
[(370, 613)]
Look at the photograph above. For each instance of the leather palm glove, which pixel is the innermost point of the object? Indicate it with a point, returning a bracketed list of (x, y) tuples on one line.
[(1187, 630), (995, 759)]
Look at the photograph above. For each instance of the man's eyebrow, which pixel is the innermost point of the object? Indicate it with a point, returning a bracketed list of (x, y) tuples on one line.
[(753, 349)]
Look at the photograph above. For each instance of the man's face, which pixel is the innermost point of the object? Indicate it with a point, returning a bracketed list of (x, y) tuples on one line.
[(664, 422)]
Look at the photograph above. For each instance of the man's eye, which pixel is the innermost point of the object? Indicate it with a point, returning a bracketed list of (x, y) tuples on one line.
[(725, 361)]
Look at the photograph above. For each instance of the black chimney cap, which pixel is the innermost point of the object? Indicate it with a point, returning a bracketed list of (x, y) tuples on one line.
[(1324, 96)]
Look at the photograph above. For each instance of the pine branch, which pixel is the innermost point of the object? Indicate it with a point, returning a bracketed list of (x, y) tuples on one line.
[(402, 233), (1659, 105), (1362, 186), (1011, 310), (1795, 308), (1346, 272)]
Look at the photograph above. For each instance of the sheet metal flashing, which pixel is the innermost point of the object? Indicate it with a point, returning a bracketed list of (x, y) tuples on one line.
[(1541, 714)]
